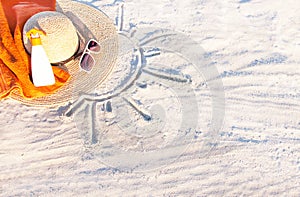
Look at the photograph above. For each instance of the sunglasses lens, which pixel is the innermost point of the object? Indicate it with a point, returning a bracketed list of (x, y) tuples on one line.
[(87, 62), (94, 46)]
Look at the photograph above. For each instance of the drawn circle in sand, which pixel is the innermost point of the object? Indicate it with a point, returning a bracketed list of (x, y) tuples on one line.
[(163, 97)]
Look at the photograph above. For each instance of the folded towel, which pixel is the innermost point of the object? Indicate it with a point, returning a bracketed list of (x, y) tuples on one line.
[(14, 61)]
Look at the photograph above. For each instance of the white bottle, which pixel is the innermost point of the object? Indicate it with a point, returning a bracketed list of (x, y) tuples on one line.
[(41, 69)]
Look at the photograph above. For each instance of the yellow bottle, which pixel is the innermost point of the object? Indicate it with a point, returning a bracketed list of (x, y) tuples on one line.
[(41, 69)]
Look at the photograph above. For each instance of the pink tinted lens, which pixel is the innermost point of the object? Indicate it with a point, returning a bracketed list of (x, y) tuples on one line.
[(93, 46), (87, 62)]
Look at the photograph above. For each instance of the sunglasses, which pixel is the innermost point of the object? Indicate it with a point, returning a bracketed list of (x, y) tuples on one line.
[(87, 61)]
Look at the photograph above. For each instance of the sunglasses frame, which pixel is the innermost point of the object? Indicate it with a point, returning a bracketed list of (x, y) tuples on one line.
[(89, 52)]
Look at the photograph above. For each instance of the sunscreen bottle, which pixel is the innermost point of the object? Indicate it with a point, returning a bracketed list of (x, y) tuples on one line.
[(41, 69)]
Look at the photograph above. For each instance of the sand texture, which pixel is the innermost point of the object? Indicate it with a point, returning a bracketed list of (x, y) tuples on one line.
[(204, 101)]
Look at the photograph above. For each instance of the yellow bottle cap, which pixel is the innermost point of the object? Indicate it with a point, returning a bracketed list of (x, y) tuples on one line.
[(34, 36)]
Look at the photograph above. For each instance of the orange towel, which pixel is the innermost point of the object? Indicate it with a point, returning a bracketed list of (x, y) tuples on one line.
[(14, 61)]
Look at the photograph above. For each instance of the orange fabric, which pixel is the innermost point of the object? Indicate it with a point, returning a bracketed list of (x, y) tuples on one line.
[(14, 61)]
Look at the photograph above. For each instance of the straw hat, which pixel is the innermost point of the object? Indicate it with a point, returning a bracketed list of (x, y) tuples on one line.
[(90, 23)]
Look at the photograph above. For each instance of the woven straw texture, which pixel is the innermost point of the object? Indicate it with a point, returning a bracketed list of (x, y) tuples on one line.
[(90, 23), (61, 41)]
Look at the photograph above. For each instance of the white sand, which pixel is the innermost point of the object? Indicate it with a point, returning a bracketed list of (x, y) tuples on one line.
[(255, 47)]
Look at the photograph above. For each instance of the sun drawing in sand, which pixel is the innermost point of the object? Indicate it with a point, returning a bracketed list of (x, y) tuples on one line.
[(149, 109)]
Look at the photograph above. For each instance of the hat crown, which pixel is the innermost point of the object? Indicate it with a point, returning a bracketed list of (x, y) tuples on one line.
[(60, 40)]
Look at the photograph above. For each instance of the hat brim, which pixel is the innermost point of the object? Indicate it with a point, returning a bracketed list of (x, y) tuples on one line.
[(90, 23)]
